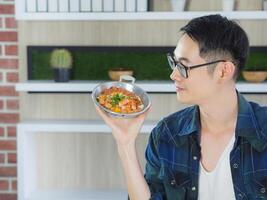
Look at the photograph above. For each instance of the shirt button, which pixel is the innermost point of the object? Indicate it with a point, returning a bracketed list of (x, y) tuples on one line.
[(193, 188), (173, 182), (235, 165), (263, 190), (195, 158)]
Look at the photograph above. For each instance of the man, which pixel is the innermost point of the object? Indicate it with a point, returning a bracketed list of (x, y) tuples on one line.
[(215, 150)]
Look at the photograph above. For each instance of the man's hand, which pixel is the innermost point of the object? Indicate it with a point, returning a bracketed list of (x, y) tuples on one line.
[(125, 130)]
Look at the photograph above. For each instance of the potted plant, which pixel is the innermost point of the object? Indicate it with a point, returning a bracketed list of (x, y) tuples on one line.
[(256, 69), (61, 62)]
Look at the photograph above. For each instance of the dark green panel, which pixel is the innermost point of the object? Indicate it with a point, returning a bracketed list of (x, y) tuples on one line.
[(257, 61), (95, 65), (40, 66)]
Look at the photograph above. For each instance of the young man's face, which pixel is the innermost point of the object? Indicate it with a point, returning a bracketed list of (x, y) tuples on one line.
[(200, 85)]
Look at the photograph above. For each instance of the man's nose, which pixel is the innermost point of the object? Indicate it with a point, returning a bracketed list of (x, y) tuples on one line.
[(176, 75)]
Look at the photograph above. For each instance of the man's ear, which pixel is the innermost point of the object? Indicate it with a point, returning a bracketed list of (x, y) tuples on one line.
[(225, 70)]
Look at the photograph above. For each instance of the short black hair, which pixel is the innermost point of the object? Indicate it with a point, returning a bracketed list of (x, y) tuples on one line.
[(218, 35)]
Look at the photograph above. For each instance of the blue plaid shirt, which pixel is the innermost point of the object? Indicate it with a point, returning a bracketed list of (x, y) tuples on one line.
[(173, 154)]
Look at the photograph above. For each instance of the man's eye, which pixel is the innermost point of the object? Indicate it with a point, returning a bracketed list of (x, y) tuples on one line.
[(184, 63)]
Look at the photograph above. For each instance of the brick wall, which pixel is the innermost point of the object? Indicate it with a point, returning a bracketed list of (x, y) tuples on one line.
[(9, 101)]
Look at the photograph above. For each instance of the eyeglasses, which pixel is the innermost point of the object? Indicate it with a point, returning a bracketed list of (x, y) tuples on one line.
[(184, 69)]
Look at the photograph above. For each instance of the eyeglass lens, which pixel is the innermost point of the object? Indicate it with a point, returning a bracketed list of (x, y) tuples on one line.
[(179, 67)]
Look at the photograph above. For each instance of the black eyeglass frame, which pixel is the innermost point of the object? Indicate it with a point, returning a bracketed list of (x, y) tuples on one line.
[(180, 66)]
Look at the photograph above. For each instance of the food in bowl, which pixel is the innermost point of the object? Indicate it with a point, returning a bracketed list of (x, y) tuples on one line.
[(120, 100), (129, 88)]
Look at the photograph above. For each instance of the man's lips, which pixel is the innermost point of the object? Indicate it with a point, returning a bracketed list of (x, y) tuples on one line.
[(179, 88)]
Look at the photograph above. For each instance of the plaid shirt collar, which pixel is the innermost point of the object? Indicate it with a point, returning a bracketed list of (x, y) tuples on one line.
[(247, 125)]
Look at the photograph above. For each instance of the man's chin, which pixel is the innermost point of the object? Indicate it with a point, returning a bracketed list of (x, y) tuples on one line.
[(182, 99)]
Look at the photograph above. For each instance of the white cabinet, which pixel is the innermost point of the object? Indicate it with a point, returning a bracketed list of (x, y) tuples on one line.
[(27, 167)]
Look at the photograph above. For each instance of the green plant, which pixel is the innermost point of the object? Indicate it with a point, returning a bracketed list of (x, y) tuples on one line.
[(61, 58), (256, 62)]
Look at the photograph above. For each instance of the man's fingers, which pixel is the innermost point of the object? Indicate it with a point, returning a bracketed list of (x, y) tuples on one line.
[(142, 116), (101, 113), (108, 118), (147, 111)]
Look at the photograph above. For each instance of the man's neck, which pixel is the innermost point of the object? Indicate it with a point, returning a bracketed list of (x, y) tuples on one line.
[(220, 112)]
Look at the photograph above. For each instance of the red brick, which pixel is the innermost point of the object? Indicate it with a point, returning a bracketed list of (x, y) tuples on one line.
[(12, 158), (2, 131), (1, 74), (12, 104), (11, 131), (1, 104), (9, 118), (9, 63), (11, 22), (6, 9), (8, 171), (8, 196), (14, 185), (8, 91), (3, 184), (2, 158), (12, 77), (8, 145), (8, 36), (11, 50), (0, 22)]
